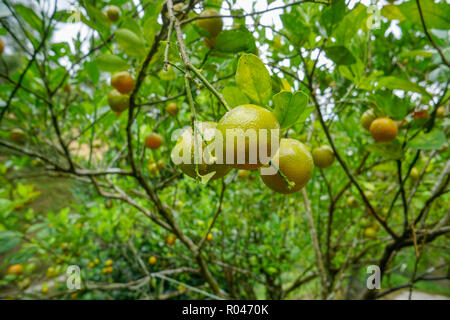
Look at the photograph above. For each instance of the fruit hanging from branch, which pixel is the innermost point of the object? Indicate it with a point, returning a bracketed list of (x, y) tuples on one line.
[(383, 129), (323, 156), (117, 101), (123, 82), (295, 163)]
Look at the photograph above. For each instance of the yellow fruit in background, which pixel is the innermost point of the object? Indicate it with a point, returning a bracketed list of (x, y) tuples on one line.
[(153, 168), (74, 296), (118, 102), (212, 25), (352, 202), (113, 13), (367, 118), (365, 222), (172, 108), (209, 237), (296, 164), (369, 195), (16, 269), (370, 232), (17, 135), (152, 260), (242, 122), (44, 289), (206, 135), (415, 174), (160, 164), (123, 82), (96, 261), (440, 112), (91, 265), (2, 46), (323, 156), (171, 239), (383, 130), (108, 263)]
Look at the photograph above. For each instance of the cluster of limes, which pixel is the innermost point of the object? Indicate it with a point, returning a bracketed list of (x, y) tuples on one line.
[(108, 269), (295, 162)]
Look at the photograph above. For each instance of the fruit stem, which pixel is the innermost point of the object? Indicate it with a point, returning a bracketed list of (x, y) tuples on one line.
[(209, 86), (290, 184)]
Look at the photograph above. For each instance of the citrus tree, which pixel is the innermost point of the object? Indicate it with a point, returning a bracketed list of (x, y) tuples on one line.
[(91, 127)]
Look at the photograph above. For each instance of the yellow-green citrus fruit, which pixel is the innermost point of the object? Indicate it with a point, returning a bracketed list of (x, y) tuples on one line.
[(113, 13), (123, 82), (323, 156), (295, 163), (383, 130), (172, 108), (118, 102), (209, 237), (153, 140), (367, 118), (414, 173), (244, 123), (152, 260), (440, 112), (212, 25), (365, 222), (171, 239), (207, 165), (109, 263), (370, 232), (352, 202), (17, 135), (160, 164)]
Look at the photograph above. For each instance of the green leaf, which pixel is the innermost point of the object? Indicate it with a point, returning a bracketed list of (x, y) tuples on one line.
[(340, 55), (9, 240), (29, 16), (333, 14), (111, 63), (234, 96), (392, 12), (428, 141), (98, 20), (391, 105), (92, 71), (351, 23), (392, 82), (289, 107), (238, 40), (130, 43), (253, 78), (391, 150), (436, 15)]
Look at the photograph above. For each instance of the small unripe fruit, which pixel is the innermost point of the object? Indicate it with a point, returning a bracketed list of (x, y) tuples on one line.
[(109, 263), (212, 25), (153, 141), (160, 164), (118, 102), (367, 118), (67, 88), (209, 237), (2, 46), (16, 269), (113, 13), (323, 156), (440, 112), (171, 239), (17, 135), (123, 82), (370, 232), (172, 108), (383, 130), (352, 202), (415, 174), (152, 260), (365, 222), (44, 289), (153, 168)]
